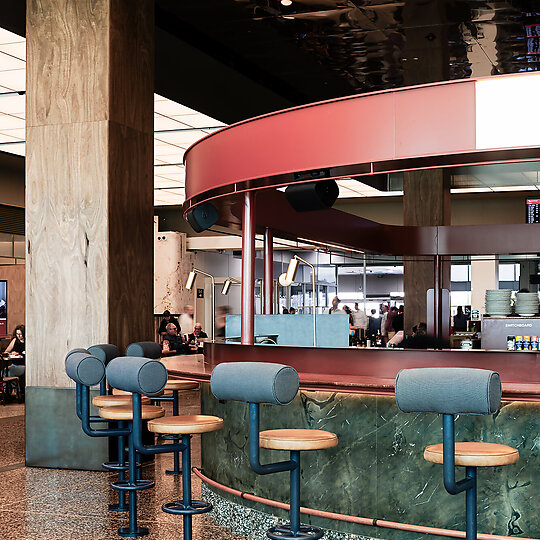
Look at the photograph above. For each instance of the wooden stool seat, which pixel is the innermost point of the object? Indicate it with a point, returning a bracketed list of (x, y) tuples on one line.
[(125, 412), (184, 425), (475, 454), (117, 392), (113, 401), (297, 439), (179, 384)]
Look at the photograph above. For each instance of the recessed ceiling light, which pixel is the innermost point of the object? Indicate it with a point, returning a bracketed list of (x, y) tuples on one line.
[(286, 2)]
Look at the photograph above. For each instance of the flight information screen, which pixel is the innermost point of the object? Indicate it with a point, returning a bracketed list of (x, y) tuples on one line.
[(533, 210)]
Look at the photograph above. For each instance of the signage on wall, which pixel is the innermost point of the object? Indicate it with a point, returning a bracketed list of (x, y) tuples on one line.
[(3, 308), (200, 293), (533, 210)]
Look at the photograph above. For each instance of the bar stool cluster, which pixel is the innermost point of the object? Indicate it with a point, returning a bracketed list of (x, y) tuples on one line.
[(132, 388)]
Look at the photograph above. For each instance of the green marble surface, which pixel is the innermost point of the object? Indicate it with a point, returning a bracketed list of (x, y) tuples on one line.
[(378, 470)]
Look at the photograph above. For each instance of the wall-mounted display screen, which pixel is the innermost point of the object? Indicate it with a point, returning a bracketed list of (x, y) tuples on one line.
[(533, 210), (3, 308)]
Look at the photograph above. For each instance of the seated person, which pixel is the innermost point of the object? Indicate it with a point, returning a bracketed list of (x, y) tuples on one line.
[(420, 339), (17, 346), (173, 342), (168, 318), (193, 339)]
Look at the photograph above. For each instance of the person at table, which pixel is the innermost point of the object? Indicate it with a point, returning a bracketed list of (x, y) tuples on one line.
[(197, 334), (168, 319), (17, 346), (173, 342)]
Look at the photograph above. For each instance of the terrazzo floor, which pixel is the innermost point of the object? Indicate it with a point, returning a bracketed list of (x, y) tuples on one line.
[(51, 504)]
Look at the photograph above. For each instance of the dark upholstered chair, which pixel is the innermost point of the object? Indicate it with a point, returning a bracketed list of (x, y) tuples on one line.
[(450, 392), (256, 383), (144, 376)]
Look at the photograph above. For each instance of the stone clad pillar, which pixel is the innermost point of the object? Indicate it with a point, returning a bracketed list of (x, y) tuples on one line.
[(426, 201), (89, 200)]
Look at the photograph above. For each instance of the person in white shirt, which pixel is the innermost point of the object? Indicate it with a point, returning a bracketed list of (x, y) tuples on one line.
[(186, 320), (359, 318)]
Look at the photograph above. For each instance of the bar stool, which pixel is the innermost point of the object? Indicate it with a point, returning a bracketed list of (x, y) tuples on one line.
[(450, 392), (277, 384), (145, 376), (106, 352), (150, 349)]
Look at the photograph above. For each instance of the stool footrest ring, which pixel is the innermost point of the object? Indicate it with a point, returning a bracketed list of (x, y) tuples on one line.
[(115, 466), (283, 532), (125, 485), (118, 508), (139, 531), (178, 507)]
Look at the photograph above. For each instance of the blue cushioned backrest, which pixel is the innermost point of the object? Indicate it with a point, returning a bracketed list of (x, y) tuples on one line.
[(255, 382), (448, 390), (147, 349), (136, 374), (78, 350), (105, 352), (84, 368)]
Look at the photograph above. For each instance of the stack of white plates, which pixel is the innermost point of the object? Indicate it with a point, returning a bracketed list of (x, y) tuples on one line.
[(498, 302), (527, 304)]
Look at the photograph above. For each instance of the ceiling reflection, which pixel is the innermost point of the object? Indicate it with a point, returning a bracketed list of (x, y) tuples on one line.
[(379, 44)]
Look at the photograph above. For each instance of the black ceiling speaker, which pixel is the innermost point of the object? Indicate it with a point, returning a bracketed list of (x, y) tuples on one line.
[(202, 217), (312, 196)]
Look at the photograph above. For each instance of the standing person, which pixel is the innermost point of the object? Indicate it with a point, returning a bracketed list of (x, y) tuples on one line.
[(335, 306), (384, 333), (167, 318), (186, 319), (389, 325), (374, 324), (17, 345), (398, 321), (292, 311), (359, 319), (460, 320)]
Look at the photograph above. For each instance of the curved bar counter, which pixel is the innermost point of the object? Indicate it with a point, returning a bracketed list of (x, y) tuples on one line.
[(377, 470)]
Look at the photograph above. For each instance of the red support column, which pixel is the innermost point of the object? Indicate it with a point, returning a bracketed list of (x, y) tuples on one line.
[(268, 272), (248, 269)]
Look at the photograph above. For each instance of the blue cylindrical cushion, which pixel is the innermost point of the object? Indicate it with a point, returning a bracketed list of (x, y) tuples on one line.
[(136, 374), (105, 352), (148, 349), (78, 350), (84, 368), (255, 382), (448, 390)]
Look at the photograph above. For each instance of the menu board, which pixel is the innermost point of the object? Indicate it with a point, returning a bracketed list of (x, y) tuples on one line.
[(3, 308), (533, 210)]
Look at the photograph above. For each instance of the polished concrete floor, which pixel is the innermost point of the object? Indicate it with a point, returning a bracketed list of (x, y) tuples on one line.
[(50, 504)]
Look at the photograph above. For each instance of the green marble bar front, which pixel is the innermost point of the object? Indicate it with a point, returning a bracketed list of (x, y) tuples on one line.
[(378, 469)]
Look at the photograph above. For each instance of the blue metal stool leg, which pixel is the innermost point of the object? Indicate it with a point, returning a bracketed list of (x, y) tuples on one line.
[(132, 485), (187, 507), (176, 455), (471, 519), (121, 506), (295, 529)]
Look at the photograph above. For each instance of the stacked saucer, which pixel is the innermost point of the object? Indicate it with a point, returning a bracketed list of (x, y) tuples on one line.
[(498, 302), (526, 304)]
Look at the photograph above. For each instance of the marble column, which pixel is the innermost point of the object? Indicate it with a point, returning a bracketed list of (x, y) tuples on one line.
[(89, 200), (426, 201)]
